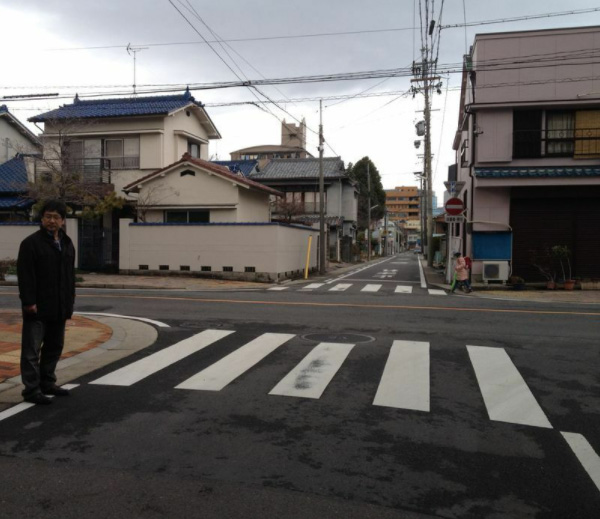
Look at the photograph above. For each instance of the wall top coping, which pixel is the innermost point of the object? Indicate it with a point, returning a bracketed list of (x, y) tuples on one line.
[(216, 224)]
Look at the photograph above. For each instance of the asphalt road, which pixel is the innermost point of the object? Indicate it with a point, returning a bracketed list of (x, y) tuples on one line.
[(337, 397)]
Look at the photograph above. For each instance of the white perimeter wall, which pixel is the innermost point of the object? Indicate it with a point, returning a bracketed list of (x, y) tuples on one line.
[(274, 250), (11, 236)]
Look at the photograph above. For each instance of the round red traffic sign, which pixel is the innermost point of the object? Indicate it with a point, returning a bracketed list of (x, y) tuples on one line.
[(454, 206)]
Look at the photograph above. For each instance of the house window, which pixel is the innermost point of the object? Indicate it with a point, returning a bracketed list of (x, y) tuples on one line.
[(464, 159), (587, 134), (187, 216), (527, 134), (560, 127), (194, 149), (123, 153)]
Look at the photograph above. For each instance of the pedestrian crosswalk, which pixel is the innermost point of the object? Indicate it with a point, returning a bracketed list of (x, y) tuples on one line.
[(403, 380), (387, 287)]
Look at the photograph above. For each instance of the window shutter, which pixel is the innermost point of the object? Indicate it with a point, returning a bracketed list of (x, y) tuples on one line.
[(587, 134)]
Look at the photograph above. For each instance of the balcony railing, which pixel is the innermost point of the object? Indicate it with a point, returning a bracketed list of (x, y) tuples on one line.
[(89, 170), (123, 162), (567, 142)]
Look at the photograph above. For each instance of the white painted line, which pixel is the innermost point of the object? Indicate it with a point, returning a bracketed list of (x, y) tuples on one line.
[(69, 386), (436, 292), (147, 366), (226, 370), (312, 375), (585, 454), (312, 286), (403, 290), (421, 273), (505, 393), (340, 287), (278, 288), (143, 319), (351, 273), (371, 288), (11, 411), (405, 381)]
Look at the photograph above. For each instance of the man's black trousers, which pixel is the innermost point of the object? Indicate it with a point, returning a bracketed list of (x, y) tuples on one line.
[(41, 347)]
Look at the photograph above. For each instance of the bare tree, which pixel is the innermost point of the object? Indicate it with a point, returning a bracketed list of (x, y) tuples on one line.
[(287, 210), (149, 196)]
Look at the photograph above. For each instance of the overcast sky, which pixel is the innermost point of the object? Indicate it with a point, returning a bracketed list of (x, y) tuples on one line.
[(38, 39)]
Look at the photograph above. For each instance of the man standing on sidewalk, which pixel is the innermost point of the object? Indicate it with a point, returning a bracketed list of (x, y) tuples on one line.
[(46, 272)]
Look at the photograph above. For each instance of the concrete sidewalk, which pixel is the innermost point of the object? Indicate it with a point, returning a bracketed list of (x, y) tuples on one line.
[(435, 277), (90, 343)]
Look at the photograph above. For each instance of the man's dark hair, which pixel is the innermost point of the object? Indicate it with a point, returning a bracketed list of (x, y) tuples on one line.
[(54, 206)]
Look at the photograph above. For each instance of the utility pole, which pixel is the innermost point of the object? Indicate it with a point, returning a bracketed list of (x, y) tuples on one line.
[(369, 214), (427, 151), (385, 233), (321, 195)]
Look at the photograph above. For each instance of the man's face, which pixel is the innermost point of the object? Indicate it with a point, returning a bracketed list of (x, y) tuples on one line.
[(52, 221)]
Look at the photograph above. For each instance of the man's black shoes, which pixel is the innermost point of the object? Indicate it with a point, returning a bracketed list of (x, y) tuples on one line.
[(56, 391), (38, 398)]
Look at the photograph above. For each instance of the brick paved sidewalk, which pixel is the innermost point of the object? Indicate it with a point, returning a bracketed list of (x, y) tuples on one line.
[(82, 334)]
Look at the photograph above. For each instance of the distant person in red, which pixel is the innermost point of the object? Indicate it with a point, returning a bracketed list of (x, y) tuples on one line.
[(462, 274), (46, 273)]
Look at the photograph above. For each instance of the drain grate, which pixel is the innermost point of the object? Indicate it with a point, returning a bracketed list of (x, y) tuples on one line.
[(349, 338)]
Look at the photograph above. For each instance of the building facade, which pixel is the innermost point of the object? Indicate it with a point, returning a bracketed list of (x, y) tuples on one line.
[(528, 151), (293, 146)]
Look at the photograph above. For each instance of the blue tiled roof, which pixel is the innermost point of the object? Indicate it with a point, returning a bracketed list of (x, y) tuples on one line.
[(286, 169), (122, 107), (238, 166), (13, 176), (14, 202), (539, 172)]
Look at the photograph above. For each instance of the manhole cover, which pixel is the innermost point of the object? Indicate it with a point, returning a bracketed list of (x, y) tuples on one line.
[(351, 338)]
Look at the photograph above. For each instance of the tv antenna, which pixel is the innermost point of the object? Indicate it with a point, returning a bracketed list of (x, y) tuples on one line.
[(134, 50)]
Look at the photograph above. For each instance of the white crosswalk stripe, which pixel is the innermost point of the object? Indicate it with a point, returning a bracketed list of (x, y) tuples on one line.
[(147, 366), (340, 287), (371, 288), (312, 286), (505, 393), (400, 289), (405, 380), (278, 288), (311, 376), (436, 292), (221, 373)]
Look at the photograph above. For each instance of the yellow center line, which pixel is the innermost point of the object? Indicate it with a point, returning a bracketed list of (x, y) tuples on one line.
[(355, 305), (337, 305)]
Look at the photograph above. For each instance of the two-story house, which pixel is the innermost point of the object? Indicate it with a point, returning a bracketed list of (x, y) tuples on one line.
[(15, 137), (116, 142), (528, 151), (298, 179)]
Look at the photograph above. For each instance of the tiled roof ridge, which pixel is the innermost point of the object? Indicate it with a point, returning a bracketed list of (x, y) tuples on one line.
[(221, 170), (137, 99)]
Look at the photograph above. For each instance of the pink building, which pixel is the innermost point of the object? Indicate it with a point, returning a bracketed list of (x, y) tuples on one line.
[(528, 150)]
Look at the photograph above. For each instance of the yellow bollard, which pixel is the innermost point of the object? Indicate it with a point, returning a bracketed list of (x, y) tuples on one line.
[(307, 257)]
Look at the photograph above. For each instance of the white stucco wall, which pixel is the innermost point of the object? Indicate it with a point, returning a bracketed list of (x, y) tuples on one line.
[(11, 236), (274, 250), (12, 142)]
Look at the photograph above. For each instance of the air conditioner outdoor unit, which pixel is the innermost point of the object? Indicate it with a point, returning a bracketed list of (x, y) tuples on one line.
[(495, 271)]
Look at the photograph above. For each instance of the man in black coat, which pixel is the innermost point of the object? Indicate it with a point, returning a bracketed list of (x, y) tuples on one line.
[(46, 272)]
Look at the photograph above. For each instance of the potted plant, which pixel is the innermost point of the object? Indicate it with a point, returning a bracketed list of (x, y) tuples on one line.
[(543, 262), (563, 255), (8, 267), (517, 282)]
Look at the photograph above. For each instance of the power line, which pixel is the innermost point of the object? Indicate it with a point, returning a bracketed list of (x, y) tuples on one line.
[(521, 18)]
